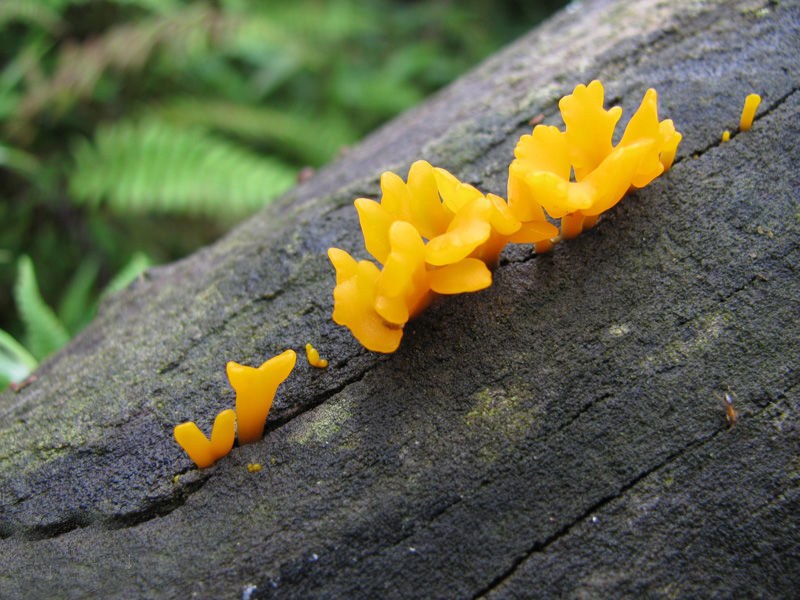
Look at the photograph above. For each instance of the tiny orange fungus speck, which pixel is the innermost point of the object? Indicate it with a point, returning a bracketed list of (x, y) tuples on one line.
[(255, 390), (726, 136), (313, 357), (201, 450), (749, 111), (253, 467), (731, 415)]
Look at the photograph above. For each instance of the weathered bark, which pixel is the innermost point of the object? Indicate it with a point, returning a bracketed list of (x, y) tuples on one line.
[(561, 433)]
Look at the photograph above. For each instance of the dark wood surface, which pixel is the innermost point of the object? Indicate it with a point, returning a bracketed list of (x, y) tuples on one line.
[(562, 433)]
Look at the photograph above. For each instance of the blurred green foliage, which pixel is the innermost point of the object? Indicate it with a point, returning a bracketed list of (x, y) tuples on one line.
[(133, 131)]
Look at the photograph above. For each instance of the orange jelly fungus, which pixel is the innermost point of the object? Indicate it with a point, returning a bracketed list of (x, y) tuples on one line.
[(578, 173), (432, 234), (255, 389), (749, 111), (313, 357), (726, 136), (201, 450)]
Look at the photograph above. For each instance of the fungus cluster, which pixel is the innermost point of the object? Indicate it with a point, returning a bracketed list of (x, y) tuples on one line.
[(255, 389), (577, 174), (434, 234)]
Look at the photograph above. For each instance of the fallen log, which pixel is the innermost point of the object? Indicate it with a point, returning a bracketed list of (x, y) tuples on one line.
[(562, 433)]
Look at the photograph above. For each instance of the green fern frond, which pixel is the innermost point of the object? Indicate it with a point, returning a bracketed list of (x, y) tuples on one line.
[(76, 307), (156, 167), (44, 333), (154, 6), (37, 13), (137, 265), (189, 34), (122, 48), (313, 141), (16, 362), (18, 160)]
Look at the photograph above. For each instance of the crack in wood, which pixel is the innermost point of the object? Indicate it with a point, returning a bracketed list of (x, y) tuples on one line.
[(566, 529), (596, 506)]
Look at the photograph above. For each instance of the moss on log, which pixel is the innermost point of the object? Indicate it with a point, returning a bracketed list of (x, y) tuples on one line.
[(561, 433)]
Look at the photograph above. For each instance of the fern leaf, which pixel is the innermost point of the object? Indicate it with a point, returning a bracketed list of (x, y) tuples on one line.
[(76, 307), (16, 362), (123, 48), (137, 264), (314, 141), (154, 6), (155, 167), (18, 160), (44, 333), (37, 13)]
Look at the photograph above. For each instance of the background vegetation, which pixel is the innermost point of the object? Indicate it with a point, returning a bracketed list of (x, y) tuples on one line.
[(133, 131)]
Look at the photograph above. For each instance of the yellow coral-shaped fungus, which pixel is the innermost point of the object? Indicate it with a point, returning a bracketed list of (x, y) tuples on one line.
[(201, 450), (255, 390), (749, 111), (433, 235), (578, 173)]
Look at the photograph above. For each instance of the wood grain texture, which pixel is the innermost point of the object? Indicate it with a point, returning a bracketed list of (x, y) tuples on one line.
[(562, 433)]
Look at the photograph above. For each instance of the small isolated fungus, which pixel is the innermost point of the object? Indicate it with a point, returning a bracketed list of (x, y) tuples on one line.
[(313, 357), (726, 136), (253, 467), (201, 450), (255, 389), (749, 111)]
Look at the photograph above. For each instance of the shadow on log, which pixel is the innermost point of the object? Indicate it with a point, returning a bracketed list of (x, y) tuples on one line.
[(562, 433)]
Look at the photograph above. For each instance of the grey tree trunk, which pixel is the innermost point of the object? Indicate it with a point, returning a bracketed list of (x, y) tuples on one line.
[(562, 433)]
